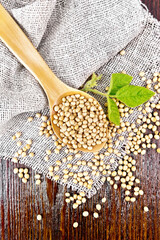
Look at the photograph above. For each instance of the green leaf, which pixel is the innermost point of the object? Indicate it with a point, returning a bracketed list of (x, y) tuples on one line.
[(113, 112), (91, 83), (134, 96), (118, 80)]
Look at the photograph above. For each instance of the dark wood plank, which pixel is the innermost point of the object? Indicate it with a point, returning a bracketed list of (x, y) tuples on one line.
[(21, 203), (154, 7)]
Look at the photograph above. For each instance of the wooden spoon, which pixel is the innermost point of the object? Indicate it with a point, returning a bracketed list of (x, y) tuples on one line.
[(22, 48)]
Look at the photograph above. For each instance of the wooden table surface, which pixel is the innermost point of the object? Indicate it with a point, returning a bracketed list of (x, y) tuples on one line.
[(119, 220)]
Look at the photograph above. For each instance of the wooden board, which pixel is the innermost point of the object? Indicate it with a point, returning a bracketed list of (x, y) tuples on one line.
[(118, 220)]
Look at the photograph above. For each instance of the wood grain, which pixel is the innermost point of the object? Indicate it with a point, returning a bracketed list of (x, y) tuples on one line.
[(20, 204), (153, 7)]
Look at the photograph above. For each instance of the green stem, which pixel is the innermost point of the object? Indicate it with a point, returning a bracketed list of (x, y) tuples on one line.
[(112, 95), (96, 91)]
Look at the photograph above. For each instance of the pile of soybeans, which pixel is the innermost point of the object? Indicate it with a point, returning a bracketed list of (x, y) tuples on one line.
[(82, 122)]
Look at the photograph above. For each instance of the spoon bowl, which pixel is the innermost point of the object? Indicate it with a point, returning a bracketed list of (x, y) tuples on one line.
[(56, 129), (18, 43)]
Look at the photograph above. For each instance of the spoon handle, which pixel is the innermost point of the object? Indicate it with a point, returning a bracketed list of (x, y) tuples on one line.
[(25, 52)]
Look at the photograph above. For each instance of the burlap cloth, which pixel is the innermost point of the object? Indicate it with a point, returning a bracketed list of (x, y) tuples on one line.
[(75, 38)]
